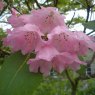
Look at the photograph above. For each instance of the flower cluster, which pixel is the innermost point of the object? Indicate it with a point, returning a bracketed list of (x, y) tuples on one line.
[(44, 32)]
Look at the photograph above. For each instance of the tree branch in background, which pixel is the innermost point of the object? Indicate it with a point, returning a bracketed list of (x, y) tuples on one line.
[(4, 22), (55, 3), (91, 32), (74, 83), (71, 19), (27, 4), (69, 78), (88, 11), (16, 9), (84, 77), (37, 4)]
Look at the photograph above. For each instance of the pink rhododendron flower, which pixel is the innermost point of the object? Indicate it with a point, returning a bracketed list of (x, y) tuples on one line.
[(55, 46), (48, 18), (23, 38), (47, 52), (17, 20), (63, 40), (84, 41), (65, 60), (43, 66)]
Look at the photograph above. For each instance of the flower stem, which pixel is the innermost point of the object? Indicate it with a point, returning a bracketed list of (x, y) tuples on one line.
[(74, 83)]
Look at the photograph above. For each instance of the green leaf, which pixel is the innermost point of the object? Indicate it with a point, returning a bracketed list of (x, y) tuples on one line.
[(90, 25), (15, 78)]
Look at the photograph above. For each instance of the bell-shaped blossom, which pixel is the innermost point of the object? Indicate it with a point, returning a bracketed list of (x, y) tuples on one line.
[(66, 60), (55, 46), (23, 38), (46, 19), (47, 52), (41, 65), (63, 40), (18, 20), (84, 41)]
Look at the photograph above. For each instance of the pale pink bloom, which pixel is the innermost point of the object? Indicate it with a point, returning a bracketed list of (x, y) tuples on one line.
[(63, 40), (1, 5), (36, 65), (15, 21), (23, 38), (45, 32), (47, 19), (66, 60), (85, 41), (47, 52), (18, 20)]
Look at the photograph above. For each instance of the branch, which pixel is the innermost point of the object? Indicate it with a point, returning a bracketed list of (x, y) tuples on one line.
[(92, 6), (91, 32), (37, 4), (16, 9), (71, 19), (4, 22), (87, 17), (28, 6), (55, 3), (86, 77), (69, 78)]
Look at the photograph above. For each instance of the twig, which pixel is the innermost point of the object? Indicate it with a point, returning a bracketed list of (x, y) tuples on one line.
[(88, 11), (4, 22), (69, 78), (28, 6), (55, 3), (91, 32), (86, 77), (37, 4), (71, 19), (15, 9)]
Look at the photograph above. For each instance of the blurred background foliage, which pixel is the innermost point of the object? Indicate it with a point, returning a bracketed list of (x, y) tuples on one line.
[(56, 84)]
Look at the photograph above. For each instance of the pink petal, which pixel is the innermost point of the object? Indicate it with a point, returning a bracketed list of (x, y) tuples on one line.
[(47, 52), (23, 38), (62, 39), (18, 21), (86, 39), (40, 65), (66, 60), (47, 19)]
